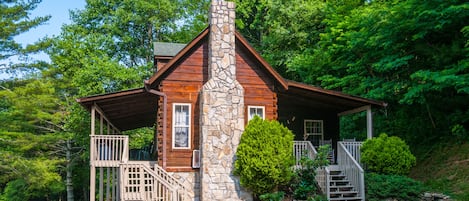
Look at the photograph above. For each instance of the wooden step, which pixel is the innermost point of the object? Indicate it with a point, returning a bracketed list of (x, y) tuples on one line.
[(341, 188), (346, 199)]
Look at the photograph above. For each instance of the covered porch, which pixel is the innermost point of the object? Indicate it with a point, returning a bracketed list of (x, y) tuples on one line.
[(113, 173), (313, 113)]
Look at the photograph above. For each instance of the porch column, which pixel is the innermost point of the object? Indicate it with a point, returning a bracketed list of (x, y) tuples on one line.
[(369, 123), (369, 118)]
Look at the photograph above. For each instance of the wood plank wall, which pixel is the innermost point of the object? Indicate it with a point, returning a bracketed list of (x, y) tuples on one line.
[(183, 85)]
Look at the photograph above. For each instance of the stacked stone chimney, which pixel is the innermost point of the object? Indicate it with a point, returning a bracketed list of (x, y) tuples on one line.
[(222, 114)]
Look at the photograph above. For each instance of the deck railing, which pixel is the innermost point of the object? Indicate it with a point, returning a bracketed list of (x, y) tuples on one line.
[(302, 148), (354, 149), (109, 150), (348, 165), (141, 182)]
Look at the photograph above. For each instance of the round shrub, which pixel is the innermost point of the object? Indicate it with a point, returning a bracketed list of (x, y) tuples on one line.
[(264, 156), (387, 155)]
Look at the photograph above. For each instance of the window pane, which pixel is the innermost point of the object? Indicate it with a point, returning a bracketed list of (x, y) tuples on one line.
[(181, 138)]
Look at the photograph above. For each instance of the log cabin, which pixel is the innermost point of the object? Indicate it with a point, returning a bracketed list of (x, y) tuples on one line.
[(198, 101)]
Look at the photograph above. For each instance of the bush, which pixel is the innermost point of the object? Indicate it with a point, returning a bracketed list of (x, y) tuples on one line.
[(382, 187), (264, 156), (387, 155)]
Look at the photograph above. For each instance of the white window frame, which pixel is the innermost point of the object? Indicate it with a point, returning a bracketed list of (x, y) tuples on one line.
[(188, 126), (255, 107), (321, 134)]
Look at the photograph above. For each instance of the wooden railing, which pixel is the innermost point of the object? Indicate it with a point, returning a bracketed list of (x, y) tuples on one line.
[(141, 182), (109, 150), (302, 148), (350, 167), (354, 149)]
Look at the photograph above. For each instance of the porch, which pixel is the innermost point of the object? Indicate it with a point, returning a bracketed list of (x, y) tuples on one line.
[(113, 176)]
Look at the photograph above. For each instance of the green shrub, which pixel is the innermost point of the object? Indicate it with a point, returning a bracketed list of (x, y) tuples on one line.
[(264, 156), (387, 155), (277, 196), (382, 187)]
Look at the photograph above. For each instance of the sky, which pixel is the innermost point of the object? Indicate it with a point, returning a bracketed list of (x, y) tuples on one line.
[(59, 12)]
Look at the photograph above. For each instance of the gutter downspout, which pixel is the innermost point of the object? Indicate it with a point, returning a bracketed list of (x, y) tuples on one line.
[(159, 93)]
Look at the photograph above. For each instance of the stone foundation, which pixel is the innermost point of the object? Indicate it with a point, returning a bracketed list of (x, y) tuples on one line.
[(191, 180)]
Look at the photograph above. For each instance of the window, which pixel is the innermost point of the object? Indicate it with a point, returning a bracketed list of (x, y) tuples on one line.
[(256, 110), (314, 131), (181, 125)]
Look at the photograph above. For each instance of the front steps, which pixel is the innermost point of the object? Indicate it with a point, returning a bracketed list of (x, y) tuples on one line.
[(341, 189)]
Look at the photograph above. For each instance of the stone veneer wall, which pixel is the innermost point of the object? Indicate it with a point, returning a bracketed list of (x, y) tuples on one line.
[(222, 110), (191, 180)]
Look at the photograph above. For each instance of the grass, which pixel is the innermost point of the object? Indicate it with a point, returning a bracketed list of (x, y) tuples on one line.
[(445, 169)]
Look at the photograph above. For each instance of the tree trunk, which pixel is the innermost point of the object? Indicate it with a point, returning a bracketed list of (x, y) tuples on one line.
[(68, 181)]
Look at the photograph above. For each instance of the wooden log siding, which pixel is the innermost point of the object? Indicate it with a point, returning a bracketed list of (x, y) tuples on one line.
[(183, 85), (258, 85)]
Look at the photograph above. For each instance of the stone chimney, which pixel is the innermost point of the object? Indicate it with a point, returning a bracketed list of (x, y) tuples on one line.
[(222, 113)]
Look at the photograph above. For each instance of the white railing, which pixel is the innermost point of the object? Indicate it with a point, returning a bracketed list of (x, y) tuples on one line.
[(300, 148), (350, 167), (109, 150), (140, 182), (354, 149)]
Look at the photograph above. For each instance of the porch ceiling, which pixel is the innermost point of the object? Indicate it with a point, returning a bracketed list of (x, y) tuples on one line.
[(126, 110), (316, 97)]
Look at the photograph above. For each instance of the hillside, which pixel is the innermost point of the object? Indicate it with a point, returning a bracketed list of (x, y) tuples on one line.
[(445, 169)]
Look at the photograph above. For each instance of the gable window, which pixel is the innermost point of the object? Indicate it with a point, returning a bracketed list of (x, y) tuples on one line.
[(181, 125), (256, 110), (314, 131)]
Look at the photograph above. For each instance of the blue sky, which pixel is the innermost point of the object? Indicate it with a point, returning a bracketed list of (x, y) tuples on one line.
[(59, 11)]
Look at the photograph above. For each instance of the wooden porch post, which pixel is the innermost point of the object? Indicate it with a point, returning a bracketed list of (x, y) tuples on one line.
[(369, 123), (92, 168)]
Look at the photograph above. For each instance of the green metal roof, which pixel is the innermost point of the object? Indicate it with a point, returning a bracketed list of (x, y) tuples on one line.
[(167, 49)]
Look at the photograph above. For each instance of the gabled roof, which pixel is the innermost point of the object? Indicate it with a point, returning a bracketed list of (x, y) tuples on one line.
[(136, 108), (172, 63), (167, 49)]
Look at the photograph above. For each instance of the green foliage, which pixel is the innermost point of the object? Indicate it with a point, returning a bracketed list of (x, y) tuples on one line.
[(277, 196), (387, 155), (141, 137), (382, 187), (14, 21), (304, 184), (264, 156)]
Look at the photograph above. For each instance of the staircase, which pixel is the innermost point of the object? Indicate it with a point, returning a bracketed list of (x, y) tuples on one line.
[(340, 187), (341, 182), (115, 178)]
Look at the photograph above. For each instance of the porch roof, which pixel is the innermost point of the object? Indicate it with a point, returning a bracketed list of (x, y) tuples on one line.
[(318, 97), (127, 110)]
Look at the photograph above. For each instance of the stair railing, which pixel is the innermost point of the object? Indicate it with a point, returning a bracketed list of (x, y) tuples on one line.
[(300, 148), (352, 169), (140, 182)]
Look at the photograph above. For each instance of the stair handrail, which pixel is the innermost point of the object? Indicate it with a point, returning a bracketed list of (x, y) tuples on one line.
[(322, 173), (177, 190), (351, 168)]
